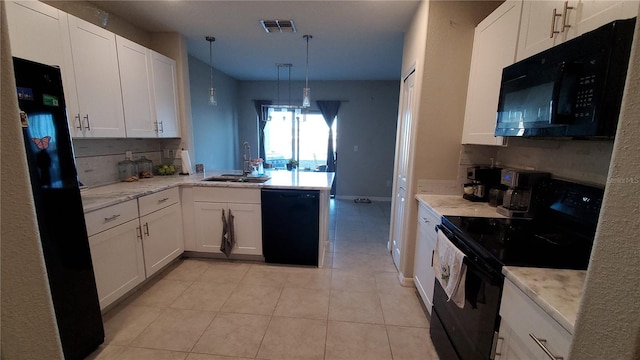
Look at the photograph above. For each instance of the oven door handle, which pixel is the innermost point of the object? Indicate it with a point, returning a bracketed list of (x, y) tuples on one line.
[(445, 231), (471, 259)]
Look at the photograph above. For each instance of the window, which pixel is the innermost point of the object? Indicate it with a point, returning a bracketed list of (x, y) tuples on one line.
[(291, 134)]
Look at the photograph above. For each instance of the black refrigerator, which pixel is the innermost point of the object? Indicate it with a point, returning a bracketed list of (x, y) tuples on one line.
[(58, 206)]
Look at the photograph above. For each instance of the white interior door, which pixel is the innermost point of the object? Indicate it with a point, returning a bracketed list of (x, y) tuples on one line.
[(402, 165)]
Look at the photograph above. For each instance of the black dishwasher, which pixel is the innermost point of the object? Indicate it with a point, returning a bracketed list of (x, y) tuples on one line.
[(290, 226)]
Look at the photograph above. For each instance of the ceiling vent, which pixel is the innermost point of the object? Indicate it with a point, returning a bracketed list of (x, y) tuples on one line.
[(274, 26)]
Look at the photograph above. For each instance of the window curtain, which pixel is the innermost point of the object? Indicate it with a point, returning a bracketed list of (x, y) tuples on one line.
[(329, 110), (263, 115)]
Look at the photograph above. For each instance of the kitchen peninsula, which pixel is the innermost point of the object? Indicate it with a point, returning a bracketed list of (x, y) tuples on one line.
[(138, 228), (98, 197)]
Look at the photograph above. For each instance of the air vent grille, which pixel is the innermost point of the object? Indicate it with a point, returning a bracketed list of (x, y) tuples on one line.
[(275, 26)]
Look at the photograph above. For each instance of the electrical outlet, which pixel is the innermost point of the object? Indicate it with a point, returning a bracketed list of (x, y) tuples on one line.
[(128, 155), (355, 147)]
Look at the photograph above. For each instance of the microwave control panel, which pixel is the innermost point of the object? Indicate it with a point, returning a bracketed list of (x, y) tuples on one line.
[(584, 97)]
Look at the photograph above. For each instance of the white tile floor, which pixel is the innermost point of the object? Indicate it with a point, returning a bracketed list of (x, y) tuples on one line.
[(354, 308)]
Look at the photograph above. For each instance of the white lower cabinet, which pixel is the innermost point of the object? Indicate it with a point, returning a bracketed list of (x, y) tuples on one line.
[(244, 205), (162, 241), (132, 240), (527, 331), (423, 274), (161, 223), (116, 250)]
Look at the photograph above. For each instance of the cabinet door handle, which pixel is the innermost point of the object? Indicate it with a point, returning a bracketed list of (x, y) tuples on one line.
[(111, 218), (86, 117), (496, 339), (146, 229), (541, 343), (553, 23), (162, 200), (564, 15), (161, 127), (139, 232), (425, 220), (433, 253), (77, 117)]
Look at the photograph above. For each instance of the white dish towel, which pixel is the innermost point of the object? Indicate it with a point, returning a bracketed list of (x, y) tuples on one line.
[(450, 269)]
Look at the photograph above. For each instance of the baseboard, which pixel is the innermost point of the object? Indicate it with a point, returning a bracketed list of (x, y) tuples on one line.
[(405, 281), (372, 198), (204, 255)]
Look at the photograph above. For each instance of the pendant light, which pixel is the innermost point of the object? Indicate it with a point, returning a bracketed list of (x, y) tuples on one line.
[(306, 93), (212, 91)]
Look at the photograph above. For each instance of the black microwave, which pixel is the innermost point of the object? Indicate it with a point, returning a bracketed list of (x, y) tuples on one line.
[(572, 90)]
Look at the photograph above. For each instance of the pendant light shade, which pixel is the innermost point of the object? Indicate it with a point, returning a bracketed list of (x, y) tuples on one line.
[(306, 93), (212, 91)]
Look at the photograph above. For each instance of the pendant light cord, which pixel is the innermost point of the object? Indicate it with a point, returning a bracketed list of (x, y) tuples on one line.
[(211, 39), (307, 37)]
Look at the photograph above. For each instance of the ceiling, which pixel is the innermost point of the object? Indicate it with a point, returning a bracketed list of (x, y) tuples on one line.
[(352, 40)]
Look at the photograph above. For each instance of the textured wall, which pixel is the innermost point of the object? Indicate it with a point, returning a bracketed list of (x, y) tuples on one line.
[(29, 329), (439, 43), (608, 324)]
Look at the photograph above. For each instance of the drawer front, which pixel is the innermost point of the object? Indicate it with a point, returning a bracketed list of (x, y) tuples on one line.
[(156, 201), (221, 194), (525, 317), (106, 218), (426, 215), (427, 218)]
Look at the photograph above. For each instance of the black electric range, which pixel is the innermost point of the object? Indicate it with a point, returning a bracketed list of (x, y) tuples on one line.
[(522, 242), (559, 236)]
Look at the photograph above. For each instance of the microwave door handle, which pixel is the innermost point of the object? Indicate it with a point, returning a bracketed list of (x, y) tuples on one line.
[(555, 95)]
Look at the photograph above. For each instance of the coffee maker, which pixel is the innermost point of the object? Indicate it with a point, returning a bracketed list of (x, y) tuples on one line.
[(482, 179), (521, 187)]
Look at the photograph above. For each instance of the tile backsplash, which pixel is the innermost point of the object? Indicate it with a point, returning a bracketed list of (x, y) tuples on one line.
[(585, 161), (97, 159)]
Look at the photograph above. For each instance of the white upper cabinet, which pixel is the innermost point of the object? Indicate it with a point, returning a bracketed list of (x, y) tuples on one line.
[(548, 23), (494, 47), (539, 19), (591, 14), (135, 80), (98, 111), (38, 32), (165, 92)]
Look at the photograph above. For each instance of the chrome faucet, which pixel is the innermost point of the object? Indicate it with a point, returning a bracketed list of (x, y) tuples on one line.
[(246, 158)]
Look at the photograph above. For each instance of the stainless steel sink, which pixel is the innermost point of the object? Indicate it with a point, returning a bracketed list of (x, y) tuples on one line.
[(237, 178)]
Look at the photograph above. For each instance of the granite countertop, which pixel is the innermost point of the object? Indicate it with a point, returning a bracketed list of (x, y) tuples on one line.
[(94, 198), (557, 291), (455, 205)]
